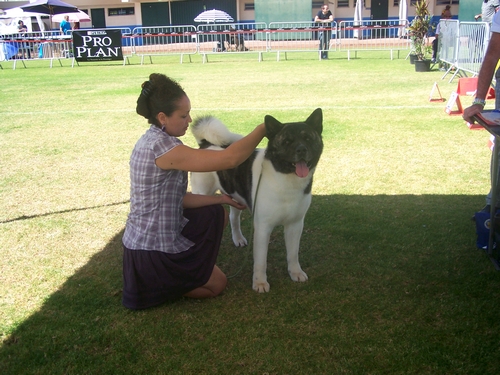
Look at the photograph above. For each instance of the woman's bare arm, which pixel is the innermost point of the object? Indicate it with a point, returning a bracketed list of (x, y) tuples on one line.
[(202, 160)]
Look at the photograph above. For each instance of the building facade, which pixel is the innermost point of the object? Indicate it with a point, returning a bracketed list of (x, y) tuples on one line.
[(133, 13)]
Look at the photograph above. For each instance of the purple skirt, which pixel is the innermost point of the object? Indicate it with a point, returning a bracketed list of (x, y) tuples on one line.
[(151, 278)]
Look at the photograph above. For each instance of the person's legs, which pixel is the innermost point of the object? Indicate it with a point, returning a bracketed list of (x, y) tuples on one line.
[(488, 196), (326, 43), (322, 43), (215, 285), (217, 281), (497, 107), (497, 89), (434, 49)]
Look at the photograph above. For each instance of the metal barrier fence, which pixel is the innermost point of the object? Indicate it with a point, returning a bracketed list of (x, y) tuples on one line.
[(48, 45), (234, 37), (164, 40), (128, 42), (301, 36), (380, 35), (448, 41), (473, 40), (206, 39), (462, 45)]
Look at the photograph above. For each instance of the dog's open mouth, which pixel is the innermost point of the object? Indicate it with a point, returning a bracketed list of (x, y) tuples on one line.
[(301, 169)]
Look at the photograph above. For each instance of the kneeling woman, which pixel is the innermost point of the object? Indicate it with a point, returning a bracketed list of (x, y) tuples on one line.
[(172, 238)]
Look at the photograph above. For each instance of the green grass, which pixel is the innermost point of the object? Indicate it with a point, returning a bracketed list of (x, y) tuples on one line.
[(396, 284)]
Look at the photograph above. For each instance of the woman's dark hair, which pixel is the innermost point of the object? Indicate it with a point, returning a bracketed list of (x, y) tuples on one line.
[(159, 94)]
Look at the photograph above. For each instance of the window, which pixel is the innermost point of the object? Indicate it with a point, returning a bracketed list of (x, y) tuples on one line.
[(446, 2), (317, 4), (343, 4), (249, 6), (120, 11), (439, 3)]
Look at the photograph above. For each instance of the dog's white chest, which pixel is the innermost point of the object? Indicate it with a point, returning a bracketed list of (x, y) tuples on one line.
[(280, 197)]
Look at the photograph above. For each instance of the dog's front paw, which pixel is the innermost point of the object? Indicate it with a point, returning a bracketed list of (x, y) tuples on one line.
[(239, 240), (298, 275), (261, 287), (260, 283)]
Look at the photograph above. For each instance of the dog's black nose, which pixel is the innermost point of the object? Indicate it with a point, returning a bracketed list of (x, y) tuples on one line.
[(301, 150)]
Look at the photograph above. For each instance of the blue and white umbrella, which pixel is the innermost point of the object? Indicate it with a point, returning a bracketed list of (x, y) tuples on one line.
[(213, 15)]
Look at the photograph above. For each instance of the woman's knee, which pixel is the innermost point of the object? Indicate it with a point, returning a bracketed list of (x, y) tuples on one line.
[(218, 281)]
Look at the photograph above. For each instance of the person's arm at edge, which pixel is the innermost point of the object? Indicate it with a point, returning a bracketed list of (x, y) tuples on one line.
[(485, 76)]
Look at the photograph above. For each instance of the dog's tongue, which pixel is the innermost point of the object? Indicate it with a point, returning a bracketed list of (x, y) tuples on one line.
[(301, 169)]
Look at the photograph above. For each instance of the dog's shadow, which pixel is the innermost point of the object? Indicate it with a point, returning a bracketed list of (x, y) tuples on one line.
[(365, 229)]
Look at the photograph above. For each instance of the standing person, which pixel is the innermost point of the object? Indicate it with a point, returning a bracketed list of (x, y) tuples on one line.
[(172, 237), (446, 14), (483, 83), (324, 16), (25, 48), (488, 10), (21, 27), (65, 26)]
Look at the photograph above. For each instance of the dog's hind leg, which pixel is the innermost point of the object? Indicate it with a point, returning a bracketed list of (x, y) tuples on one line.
[(235, 220), (204, 183), (293, 232)]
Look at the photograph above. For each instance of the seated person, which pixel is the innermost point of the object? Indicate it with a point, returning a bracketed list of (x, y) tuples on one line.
[(237, 40)]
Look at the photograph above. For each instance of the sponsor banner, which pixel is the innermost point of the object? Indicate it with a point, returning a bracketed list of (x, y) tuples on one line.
[(97, 45)]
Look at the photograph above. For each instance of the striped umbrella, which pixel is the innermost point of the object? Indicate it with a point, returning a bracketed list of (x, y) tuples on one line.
[(213, 15)]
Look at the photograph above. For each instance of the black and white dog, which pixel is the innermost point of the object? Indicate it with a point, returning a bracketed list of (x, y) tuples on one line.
[(274, 183)]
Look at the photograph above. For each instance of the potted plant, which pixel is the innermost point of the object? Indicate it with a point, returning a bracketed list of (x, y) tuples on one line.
[(419, 27)]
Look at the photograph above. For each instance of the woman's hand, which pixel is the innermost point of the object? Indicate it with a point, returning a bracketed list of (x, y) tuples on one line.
[(226, 199)]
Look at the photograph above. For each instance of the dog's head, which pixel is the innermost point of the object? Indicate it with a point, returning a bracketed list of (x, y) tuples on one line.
[(295, 147)]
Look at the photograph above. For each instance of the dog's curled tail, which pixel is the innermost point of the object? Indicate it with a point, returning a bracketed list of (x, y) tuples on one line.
[(211, 130)]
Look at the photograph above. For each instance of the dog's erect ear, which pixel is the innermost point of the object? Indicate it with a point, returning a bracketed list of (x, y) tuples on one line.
[(273, 126), (316, 120)]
